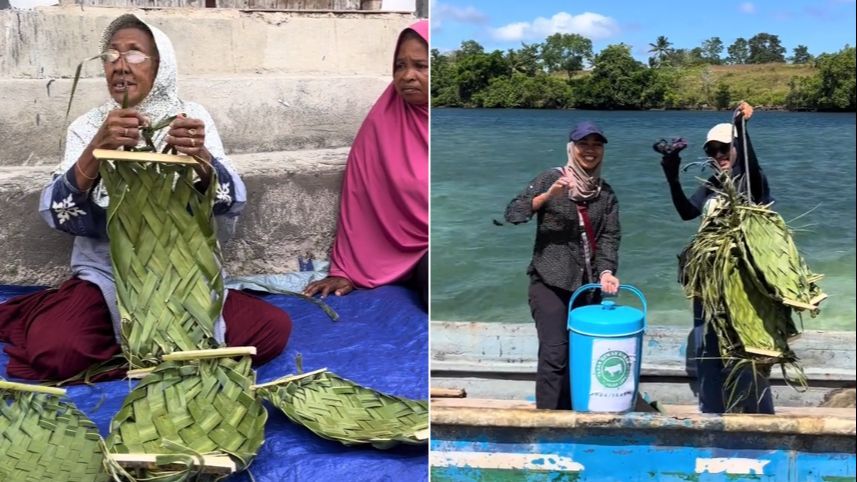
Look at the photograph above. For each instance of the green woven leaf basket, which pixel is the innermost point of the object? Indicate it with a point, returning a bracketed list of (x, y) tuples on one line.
[(193, 407), (44, 437), (165, 254), (338, 409)]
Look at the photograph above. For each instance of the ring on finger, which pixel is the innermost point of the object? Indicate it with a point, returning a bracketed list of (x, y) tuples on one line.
[(192, 142), (192, 132)]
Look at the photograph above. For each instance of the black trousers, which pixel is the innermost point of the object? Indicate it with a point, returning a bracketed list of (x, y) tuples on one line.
[(749, 393), (418, 279), (549, 306)]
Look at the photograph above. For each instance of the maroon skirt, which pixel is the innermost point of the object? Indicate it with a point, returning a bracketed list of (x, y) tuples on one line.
[(56, 334)]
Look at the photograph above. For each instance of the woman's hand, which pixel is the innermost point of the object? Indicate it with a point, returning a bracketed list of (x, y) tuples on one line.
[(560, 186), (187, 135), (120, 128), (335, 284), (744, 110), (609, 283)]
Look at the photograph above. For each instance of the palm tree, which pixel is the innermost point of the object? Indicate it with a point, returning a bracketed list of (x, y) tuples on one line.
[(661, 49)]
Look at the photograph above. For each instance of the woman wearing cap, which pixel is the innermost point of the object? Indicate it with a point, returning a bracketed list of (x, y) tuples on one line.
[(382, 234), (57, 333), (577, 242), (724, 145)]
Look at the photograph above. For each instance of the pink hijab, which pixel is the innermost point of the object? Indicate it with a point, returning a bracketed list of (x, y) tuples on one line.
[(383, 212)]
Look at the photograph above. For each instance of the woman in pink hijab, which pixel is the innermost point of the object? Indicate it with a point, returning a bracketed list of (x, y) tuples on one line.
[(382, 234)]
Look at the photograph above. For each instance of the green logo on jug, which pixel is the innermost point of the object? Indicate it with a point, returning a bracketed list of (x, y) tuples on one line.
[(613, 368)]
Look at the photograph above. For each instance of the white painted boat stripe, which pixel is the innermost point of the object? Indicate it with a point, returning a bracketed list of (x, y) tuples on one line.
[(731, 465), (501, 460)]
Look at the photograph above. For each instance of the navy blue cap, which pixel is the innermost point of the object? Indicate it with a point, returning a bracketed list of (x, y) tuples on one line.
[(584, 129)]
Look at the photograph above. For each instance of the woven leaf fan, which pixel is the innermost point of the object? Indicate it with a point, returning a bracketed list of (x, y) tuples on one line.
[(165, 255), (44, 437), (338, 409), (194, 407)]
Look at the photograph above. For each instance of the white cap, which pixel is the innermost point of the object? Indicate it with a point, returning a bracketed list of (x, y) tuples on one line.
[(721, 133)]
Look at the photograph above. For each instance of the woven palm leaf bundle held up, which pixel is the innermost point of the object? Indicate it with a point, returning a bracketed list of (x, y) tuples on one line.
[(45, 437), (192, 405), (165, 254), (338, 409), (745, 268)]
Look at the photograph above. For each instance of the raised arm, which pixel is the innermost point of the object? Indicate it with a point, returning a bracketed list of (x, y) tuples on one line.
[(671, 162), (757, 180), (533, 197)]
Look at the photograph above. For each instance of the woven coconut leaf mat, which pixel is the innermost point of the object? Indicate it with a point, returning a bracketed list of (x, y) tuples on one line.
[(390, 320)]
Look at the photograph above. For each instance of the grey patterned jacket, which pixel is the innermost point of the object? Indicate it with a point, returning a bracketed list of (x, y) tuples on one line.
[(558, 251)]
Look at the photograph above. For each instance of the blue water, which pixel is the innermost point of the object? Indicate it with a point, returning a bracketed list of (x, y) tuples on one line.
[(480, 159)]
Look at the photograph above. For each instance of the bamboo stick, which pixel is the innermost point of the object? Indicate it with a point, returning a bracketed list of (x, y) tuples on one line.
[(213, 353), (25, 387), (133, 156), (211, 464), (287, 379)]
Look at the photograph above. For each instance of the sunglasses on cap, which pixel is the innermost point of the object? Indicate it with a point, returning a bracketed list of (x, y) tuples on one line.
[(713, 149), (132, 56)]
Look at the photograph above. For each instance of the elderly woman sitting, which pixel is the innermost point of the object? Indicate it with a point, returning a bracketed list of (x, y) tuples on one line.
[(58, 333)]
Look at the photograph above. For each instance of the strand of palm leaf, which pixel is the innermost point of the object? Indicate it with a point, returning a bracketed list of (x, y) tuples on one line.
[(338, 409), (45, 437), (745, 268), (166, 259), (183, 410)]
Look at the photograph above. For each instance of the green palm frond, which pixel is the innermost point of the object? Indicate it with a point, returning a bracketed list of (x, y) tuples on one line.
[(745, 269), (188, 408), (166, 259), (338, 409), (45, 437)]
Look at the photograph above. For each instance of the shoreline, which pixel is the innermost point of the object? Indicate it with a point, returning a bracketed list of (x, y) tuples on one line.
[(760, 108)]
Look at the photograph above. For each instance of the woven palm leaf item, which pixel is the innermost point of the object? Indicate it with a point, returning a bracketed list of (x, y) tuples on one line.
[(338, 409), (45, 437), (192, 408), (165, 255), (745, 268)]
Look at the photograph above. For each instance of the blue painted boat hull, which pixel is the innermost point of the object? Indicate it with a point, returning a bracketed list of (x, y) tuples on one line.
[(665, 451)]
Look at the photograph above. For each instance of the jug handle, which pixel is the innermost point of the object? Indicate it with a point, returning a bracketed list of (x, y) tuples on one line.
[(630, 288)]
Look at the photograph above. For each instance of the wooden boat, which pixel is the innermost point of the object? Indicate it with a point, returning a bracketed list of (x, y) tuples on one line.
[(495, 433)]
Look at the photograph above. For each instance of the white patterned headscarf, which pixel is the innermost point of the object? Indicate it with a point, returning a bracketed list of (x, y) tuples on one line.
[(161, 102), (587, 184)]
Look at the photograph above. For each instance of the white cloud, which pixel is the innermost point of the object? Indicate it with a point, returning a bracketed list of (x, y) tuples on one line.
[(591, 25), (747, 7), (442, 12)]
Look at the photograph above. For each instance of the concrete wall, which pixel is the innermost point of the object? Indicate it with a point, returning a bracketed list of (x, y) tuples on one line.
[(250, 70), (288, 92)]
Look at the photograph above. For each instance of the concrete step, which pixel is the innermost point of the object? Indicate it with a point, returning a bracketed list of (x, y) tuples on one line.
[(253, 113), (49, 42), (293, 201)]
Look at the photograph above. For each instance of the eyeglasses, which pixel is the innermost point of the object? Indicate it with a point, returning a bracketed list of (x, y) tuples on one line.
[(132, 56), (713, 149)]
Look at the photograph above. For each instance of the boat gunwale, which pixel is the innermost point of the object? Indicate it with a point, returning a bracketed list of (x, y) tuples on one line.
[(790, 424)]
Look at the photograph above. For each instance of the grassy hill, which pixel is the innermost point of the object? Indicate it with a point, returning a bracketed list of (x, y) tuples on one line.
[(763, 85)]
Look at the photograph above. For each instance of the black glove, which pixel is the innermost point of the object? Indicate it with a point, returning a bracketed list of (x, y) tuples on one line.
[(671, 161)]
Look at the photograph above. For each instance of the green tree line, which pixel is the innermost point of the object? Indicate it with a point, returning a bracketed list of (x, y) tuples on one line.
[(564, 72)]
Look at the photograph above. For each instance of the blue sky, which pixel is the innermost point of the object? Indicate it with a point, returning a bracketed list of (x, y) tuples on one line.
[(821, 25)]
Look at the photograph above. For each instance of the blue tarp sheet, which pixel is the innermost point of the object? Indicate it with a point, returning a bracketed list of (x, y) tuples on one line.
[(380, 341)]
